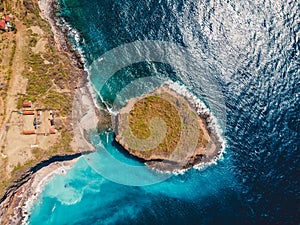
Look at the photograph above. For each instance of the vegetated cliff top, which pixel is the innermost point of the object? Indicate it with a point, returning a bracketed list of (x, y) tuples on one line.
[(163, 129)]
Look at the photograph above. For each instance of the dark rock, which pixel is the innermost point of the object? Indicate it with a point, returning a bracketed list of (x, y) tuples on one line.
[(29, 5), (58, 123)]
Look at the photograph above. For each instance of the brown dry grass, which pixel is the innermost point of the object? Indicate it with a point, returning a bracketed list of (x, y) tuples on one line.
[(163, 126), (148, 108), (45, 76)]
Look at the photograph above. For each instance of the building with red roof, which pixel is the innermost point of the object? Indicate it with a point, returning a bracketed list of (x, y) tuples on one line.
[(29, 132), (26, 104), (28, 112), (2, 25), (52, 130), (7, 19)]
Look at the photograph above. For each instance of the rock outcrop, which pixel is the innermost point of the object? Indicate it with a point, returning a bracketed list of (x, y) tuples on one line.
[(164, 130)]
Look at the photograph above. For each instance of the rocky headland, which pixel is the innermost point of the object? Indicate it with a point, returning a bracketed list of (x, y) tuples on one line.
[(163, 129), (42, 62)]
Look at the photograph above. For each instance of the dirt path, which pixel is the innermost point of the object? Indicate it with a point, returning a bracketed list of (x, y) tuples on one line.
[(17, 84)]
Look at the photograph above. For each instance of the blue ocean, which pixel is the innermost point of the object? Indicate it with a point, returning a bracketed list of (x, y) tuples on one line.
[(242, 59)]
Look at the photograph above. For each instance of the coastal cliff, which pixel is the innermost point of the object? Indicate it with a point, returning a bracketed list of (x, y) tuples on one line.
[(163, 129), (43, 59)]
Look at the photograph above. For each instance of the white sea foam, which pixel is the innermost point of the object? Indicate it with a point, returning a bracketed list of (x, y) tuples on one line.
[(39, 189), (74, 34), (202, 110), (196, 103), (200, 107)]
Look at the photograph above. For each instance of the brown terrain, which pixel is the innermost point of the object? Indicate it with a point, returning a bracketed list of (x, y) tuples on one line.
[(35, 67), (164, 130), (38, 66)]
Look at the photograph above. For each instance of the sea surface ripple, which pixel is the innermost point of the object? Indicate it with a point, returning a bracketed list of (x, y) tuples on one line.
[(252, 49)]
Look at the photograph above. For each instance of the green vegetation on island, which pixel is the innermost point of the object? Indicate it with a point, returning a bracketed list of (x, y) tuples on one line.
[(162, 129)]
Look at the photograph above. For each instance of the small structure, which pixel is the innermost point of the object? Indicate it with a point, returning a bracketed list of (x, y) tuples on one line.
[(5, 23), (2, 25), (57, 123), (28, 132), (36, 123), (28, 112), (26, 104), (52, 131), (7, 19)]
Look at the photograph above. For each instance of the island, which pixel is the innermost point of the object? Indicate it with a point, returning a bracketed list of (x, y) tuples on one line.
[(163, 129), (47, 105)]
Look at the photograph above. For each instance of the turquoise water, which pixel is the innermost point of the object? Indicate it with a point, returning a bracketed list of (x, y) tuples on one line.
[(84, 197), (242, 61)]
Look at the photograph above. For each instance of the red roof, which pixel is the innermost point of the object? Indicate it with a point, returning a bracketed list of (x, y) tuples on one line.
[(26, 104), (28, 132), (7, 19), (28, 112), (2, 24), (52, 131)]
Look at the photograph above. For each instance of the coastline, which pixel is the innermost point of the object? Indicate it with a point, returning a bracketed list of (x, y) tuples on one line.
[(83, 111), (211, 123), (19, 198), (86, 95), (84, 108), (86, 114), (207, 122), (26, 195)]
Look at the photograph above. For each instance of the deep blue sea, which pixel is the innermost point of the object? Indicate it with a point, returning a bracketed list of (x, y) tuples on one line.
[(242, 59)]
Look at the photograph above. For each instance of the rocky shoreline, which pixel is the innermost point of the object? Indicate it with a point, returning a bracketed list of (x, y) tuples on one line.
[(189, 151), (16, 201), (210, 122), (86, 115)]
